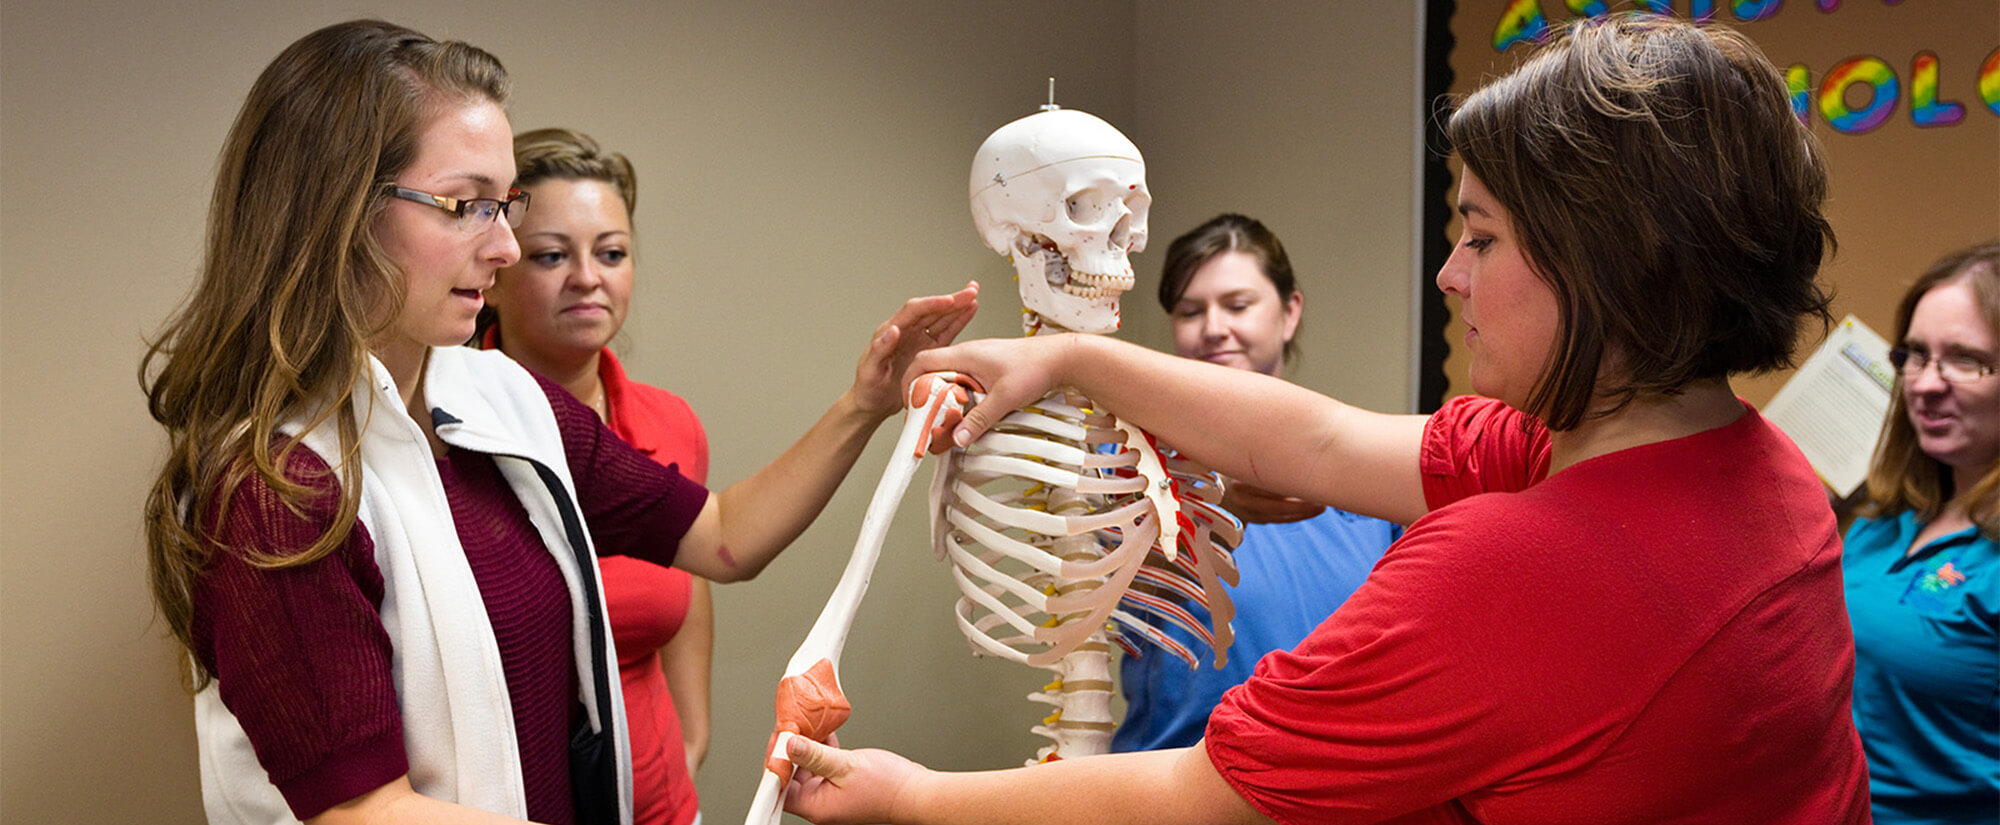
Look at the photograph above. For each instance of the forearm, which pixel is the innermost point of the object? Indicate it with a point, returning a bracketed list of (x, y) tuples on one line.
[(1149, 788), (687, 661), (742, 528), (397, 803), (1263, 430)]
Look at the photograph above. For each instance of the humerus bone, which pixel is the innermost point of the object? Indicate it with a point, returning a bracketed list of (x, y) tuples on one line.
[(809, 700)]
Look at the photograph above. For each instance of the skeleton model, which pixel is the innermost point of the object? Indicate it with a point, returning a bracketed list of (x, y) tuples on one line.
[(1065, 526)]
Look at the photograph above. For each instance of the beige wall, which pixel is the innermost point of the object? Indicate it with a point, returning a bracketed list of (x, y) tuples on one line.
[(803, 169), (1302, 116)]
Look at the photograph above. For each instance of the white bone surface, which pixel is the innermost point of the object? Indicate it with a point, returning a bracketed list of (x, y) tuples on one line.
[(1047, 520), (1050, 517), (828, 636)]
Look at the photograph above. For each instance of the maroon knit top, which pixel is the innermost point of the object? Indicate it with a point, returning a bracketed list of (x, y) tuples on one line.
[(300, 655)]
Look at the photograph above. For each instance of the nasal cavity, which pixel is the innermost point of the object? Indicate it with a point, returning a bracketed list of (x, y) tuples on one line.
[(1121, 233)]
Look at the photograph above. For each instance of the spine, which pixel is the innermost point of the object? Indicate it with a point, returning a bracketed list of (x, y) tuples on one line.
[(1081, 723)]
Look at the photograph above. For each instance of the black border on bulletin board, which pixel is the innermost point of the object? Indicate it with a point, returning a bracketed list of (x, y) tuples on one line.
[(1435, 181)]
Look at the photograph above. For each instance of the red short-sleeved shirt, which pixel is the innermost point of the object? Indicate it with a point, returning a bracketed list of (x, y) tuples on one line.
[(647, 602), (1655, 635)]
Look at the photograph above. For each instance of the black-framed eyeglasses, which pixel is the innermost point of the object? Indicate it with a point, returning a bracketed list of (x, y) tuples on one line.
[(1953, 369), (472, 212)]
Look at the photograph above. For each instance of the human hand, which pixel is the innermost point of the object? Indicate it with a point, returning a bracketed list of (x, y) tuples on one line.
[(1014, 371), (921, 324), (834, 787), (1255, 504)]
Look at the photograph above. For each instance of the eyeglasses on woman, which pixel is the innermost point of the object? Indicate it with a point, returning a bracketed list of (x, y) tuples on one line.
[(472, 213), (1953, 369)]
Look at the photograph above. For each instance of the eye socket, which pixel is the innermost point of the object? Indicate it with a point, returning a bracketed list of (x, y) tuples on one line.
[(548, 258), (1085, 206)]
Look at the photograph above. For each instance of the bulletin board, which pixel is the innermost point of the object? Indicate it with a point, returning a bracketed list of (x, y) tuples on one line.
[(1904, 97)]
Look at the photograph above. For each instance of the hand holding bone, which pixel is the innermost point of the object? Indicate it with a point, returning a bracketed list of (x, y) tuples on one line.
[(837, 787), (1015, 372)]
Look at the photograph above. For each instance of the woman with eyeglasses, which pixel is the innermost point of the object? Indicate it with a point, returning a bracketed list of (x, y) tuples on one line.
[(1618, 599), (379, 546), (556, 311), (1922, 567)]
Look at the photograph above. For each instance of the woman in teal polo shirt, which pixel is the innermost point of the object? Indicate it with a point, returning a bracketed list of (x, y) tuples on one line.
[(1922, 568)]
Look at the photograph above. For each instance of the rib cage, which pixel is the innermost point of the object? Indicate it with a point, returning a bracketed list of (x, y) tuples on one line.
[(1053, 522)]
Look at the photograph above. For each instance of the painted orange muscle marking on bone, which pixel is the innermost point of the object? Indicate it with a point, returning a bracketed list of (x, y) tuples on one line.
[(940, 418), (810, 705)]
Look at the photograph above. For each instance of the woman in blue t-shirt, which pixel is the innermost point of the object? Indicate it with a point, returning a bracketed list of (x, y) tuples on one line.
[(1228, 287), (1922, 568)]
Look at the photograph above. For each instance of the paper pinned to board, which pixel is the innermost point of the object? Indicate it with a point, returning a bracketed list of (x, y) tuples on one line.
[(1833, 406)]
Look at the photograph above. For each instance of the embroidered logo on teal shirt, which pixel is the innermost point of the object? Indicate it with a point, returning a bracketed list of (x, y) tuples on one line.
[(1935, 590), (1941, 578)]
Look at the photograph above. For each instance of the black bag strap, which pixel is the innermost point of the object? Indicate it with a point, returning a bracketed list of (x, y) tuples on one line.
[(593, 754), (593, 764)]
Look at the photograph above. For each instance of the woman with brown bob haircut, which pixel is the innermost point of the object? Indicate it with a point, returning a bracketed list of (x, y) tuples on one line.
[(1619, 596)]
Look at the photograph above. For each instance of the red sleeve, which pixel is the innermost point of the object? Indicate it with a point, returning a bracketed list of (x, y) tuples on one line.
[(632, 505), (1480, 445), (299, 653)]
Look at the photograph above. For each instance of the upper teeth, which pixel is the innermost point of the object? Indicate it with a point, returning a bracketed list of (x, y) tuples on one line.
[(1078, 283), (1092, 285)]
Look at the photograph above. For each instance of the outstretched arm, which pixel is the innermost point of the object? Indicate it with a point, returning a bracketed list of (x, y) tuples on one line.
[(836, 787), (743, 527), (1263, 430)]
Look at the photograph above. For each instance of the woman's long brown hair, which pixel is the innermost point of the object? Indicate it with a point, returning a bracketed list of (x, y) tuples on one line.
[(292, 289)]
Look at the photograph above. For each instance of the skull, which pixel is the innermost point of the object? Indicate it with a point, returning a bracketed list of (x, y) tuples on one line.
[(1063, 194)]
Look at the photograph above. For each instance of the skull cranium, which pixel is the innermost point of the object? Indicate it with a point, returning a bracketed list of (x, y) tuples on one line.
[(1063, 194)]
